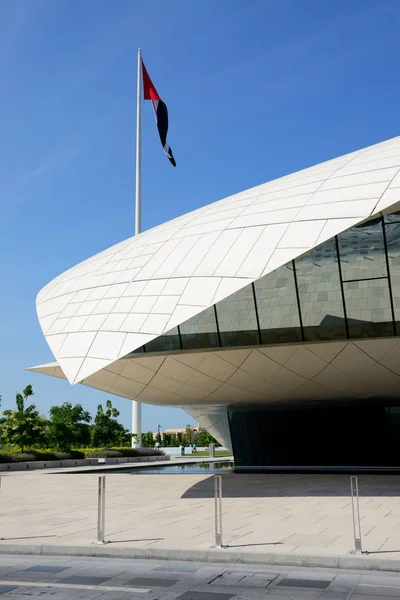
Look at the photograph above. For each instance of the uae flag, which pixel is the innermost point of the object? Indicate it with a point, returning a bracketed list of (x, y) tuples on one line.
[(160, 111)]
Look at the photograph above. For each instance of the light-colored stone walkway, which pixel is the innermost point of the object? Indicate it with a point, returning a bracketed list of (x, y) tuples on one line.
[(83, 578), (308, 514)]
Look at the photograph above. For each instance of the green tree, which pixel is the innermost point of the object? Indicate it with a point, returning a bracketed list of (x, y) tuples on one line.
[(69, 426), (188, 435), (204, 438), (166, 439), (148, 440), (107, 431), (24, 426)]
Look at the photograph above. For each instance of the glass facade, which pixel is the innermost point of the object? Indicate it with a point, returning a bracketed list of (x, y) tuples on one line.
[(392, 239), (320, 293), (277, 308), (165, 343), (200, 331), (348, 287), (308, 435), (237, 320)]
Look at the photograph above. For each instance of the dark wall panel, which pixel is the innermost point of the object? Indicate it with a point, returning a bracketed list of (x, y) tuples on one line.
[(344, 434)]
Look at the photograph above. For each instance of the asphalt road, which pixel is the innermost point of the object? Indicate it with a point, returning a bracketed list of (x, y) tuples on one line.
[(64, 578)]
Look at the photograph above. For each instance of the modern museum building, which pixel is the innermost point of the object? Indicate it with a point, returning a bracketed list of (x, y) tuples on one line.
[(272, 317)]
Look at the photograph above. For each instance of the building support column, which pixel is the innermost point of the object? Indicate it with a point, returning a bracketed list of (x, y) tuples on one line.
[(137, 423)]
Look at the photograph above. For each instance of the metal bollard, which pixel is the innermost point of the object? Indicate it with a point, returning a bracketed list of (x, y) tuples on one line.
[(218, 511), (356, 514), (101, 510), (211, 450)]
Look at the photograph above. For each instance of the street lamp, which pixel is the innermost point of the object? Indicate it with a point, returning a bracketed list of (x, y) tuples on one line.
[(159, 434)]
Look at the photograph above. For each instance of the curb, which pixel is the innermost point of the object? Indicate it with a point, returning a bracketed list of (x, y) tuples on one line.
[(224, 555)]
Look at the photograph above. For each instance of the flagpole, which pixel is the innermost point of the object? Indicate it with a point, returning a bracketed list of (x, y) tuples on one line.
[(137, 406), (138, 214)]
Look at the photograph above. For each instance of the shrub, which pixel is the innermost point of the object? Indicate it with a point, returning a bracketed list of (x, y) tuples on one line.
[(51, 454), (16, 457), (102, 454), (34, 455), (120, 452), (138, 451)]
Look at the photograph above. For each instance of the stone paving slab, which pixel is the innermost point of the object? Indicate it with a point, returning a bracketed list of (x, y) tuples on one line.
[(297, 519), (80, 580)]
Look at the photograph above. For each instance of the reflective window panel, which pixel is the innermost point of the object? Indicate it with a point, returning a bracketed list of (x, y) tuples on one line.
[(393, 245), (200, 331), (277, 307), (392, 218), (320, 294), (369, 313), (167, 342), (237, 320), (362, 252)]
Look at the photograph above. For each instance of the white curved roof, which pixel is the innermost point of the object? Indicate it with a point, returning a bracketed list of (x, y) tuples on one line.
[(122, 298), (258, 375)]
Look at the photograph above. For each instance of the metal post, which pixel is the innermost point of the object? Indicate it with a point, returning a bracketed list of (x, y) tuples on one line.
[(218, 511), (138, 195), (211, 450), (101, 509), (356, 514), (136, 405)]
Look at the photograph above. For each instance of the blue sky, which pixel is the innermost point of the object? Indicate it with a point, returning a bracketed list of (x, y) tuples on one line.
[(255, 89)]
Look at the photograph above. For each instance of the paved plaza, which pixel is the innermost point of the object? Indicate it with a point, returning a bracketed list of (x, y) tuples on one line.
[(299, 514), (62, 578)]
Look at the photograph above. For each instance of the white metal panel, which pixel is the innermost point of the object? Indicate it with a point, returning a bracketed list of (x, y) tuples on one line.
[(316, 203)]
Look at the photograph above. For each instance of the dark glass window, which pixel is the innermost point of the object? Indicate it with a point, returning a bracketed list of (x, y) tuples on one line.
[(237, 320), (392, 218), (362, 252), (139, 350), (320, 294), (366, 286), (200, 331), (307, 434), (166, 342), (369, 312), (393, 246), (278, 312)]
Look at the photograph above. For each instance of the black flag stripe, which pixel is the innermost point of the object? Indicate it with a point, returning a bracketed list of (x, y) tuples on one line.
[(161, 114)]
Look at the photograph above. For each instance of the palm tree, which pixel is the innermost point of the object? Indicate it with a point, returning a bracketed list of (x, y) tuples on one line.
[(23, 426), (20, 400)]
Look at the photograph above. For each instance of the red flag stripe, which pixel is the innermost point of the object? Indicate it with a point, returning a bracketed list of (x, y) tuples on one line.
[(149, 90)]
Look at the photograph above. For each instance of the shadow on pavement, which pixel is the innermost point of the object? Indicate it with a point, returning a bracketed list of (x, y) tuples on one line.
[(27, 537), (380, 551), (273, 485), (250, 545), (136, 540)]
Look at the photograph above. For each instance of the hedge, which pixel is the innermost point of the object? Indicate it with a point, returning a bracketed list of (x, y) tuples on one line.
[(34, 455), (120, 452)]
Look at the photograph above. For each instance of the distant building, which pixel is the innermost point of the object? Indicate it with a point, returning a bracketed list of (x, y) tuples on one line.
[(194, 428)]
